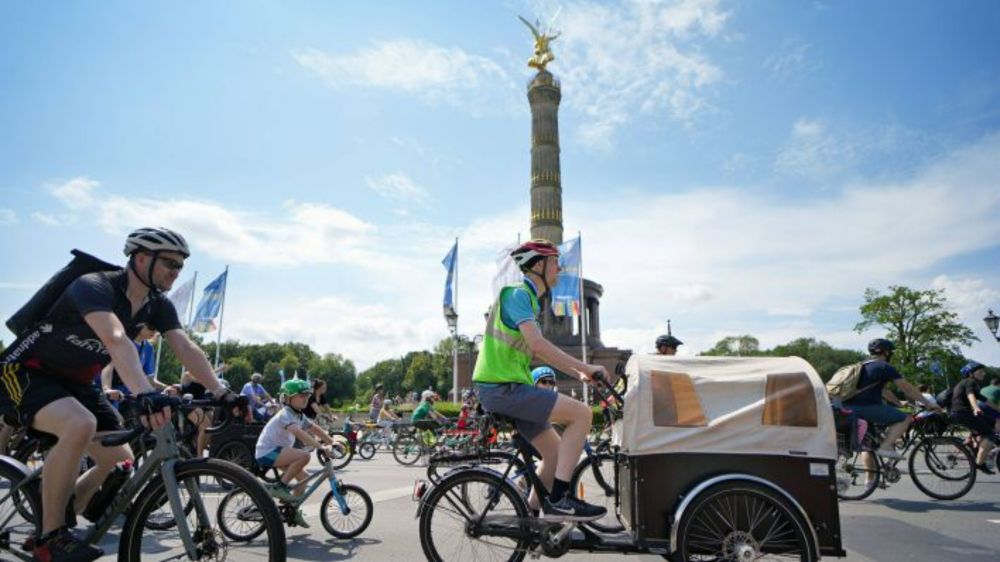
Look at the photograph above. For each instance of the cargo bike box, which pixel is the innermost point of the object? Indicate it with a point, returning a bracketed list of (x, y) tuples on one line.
[(728, 458)]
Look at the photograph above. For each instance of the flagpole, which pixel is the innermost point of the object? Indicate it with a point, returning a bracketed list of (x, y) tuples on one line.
[(222, 312), (583, 312), (454, 335), (159, 348), (190, 313)]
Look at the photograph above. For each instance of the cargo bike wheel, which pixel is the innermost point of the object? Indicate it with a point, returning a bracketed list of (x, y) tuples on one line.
[(739, 520)]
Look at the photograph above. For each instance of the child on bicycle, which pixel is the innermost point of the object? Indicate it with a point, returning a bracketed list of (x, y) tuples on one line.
[(276, 444)]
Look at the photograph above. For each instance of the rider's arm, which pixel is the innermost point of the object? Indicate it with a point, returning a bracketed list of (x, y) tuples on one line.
[(913, 394), (974, 402), (549, 353), (303, 436), (106, 376), (194, 360), (315, 430), (124, 356)]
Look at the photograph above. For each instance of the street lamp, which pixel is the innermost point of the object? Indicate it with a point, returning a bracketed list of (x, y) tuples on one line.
[(993, 322), (451, 317)]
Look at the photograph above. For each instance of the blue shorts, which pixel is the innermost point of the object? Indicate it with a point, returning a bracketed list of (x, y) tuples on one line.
[(989, 411), (268, 460), (530, 407), (877, 413)]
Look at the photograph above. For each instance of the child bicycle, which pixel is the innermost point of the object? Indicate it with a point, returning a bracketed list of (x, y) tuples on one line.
[(163, 500), (345, 512)]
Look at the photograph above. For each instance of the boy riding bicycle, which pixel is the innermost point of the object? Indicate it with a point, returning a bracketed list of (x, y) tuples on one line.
[(276, 444), (505, 385)]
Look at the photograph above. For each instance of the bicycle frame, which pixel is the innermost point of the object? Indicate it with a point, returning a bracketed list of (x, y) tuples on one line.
[(314, 481)]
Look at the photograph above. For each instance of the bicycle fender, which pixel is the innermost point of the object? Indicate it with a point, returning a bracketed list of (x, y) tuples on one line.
[(15, 464)]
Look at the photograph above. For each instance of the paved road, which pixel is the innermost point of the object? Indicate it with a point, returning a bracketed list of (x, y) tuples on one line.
[(895, 524)]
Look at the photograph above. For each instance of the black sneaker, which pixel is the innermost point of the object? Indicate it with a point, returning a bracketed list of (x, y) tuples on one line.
[(571, 509), (65, 547), (984, 469)]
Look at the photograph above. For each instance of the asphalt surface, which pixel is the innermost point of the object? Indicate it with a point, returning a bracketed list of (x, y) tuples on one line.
[(898, 523)]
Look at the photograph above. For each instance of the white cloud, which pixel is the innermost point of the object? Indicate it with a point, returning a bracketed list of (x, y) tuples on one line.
[(432, 72), (76, 193), (7, 216), (794, 56), (46, 219), (637, 58), (971, 299), (397, 187)]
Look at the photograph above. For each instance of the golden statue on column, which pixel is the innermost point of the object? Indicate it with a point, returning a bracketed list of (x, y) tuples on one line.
[(543, 55)]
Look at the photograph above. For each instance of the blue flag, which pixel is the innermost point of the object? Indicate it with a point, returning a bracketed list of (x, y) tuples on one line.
[(281, 373), (450, 263), (211, 303), (566, 293)]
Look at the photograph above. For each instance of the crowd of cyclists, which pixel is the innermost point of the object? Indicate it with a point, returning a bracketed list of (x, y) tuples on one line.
[(96, 325)]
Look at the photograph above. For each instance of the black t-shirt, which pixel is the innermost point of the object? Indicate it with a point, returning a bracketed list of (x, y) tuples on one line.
[(311, 411), (877, 373), (960, 396), (66, 345)]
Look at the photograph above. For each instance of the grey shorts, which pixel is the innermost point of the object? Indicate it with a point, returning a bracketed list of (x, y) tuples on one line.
[(530, 407)]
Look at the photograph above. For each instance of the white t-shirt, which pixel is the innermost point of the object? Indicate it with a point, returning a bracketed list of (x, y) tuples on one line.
[(276, 433)]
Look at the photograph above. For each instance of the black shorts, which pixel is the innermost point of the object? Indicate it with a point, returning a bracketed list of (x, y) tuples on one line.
[(981, 424), (25, 391)]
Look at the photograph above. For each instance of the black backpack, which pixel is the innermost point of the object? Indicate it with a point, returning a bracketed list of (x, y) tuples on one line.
[(943, 398), (39, 304)]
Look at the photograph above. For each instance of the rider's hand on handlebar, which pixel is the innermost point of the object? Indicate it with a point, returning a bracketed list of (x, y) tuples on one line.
[(113, 395), (596, 373), (154, 409)]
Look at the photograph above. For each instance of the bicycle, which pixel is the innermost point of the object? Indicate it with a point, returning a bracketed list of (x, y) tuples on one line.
[(940, 466), (163, 499), (428, 437), (345, 511)]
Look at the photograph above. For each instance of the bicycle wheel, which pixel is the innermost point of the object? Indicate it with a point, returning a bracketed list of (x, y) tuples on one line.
[(943, 468), (342, 451), (742, 521), (238, 516), (19, 509), (139, 543), (451, 508), (238, 453), (593, 481), (352, 522), (407, 449), (366, 450), (855, 479)]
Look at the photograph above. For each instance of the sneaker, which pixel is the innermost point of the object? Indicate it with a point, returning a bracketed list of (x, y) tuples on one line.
[(571, 509), (984, 469), (300, 519), (889, 454), (64, 547), (280, 491)]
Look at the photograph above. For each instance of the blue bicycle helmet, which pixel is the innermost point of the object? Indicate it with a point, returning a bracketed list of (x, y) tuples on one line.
[(971, 367), (543, 372)]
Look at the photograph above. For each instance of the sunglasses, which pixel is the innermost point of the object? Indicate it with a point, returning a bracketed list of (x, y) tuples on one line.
[(170, 263), (547, 382)]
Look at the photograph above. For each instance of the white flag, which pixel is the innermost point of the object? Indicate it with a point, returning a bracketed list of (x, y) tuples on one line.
[(181, 297), (508, 273)]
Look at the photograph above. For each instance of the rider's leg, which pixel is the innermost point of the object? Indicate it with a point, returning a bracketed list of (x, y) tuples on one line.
[(201, 420), (547, 445), (893, 434), (575, 416), (75, 426), (105, 459), (985, 446), (5, 432), (293, 461)]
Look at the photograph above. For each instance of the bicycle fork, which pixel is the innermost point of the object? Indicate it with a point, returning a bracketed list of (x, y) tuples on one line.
[(341, 502)]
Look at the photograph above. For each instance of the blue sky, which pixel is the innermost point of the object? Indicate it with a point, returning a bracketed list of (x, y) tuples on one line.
[(738, 167)]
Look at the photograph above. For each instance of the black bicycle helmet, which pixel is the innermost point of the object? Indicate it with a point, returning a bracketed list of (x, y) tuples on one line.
[(669, 341), (880, 346)]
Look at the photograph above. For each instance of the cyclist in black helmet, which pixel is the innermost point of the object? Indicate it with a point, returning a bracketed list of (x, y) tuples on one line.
[(48, 373), (869, 404), (667, 345)]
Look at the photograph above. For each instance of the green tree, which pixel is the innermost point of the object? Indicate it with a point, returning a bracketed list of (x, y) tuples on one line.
[(339, 374), (920, 325), (420, 372), (390, 373), (821, 355), (735, 346), (238, 373)]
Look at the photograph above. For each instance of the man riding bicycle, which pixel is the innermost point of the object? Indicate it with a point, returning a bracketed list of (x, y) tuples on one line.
[(48, 375), (868, 403), (505, 385)]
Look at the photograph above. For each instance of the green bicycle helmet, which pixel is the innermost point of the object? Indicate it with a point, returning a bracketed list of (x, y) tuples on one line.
[(296, 386)]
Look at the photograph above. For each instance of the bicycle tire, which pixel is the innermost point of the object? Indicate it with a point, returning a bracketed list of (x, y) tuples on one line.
[(366, 450), (854, 480), (342, 451), (407, 449), (589, 483), (347, 525), (246, 523), (238, 453), (20, 510), (153, 496), (716, 519), (948, 463), (455, 490)]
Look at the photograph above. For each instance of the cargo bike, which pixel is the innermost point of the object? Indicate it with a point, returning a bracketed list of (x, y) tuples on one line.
[(725, 459)]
